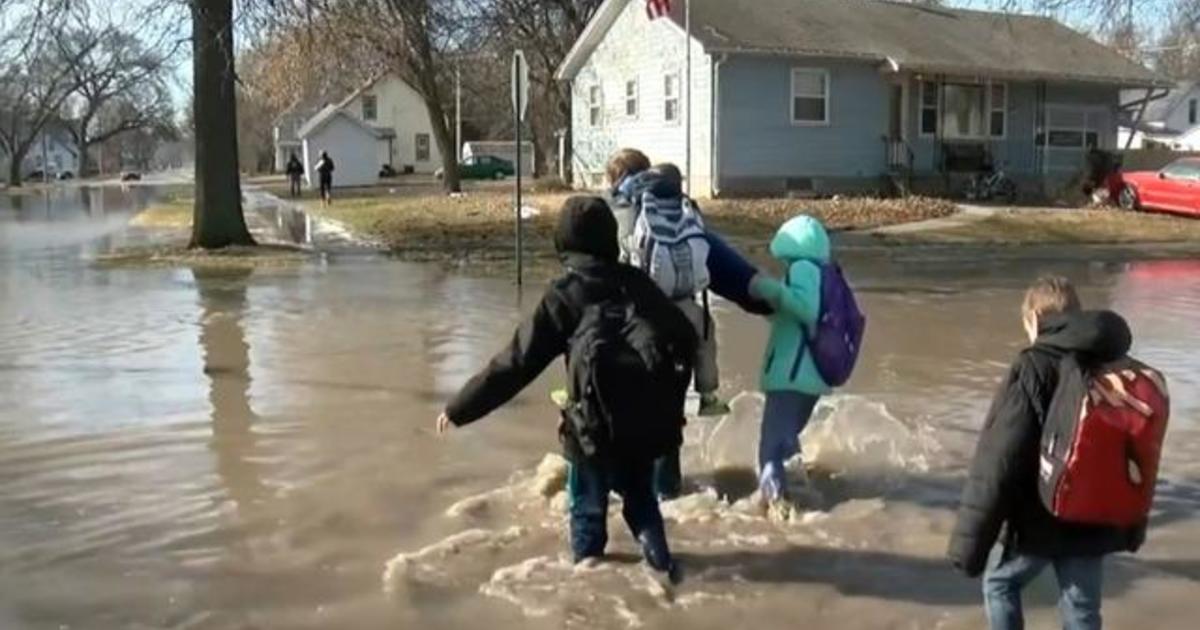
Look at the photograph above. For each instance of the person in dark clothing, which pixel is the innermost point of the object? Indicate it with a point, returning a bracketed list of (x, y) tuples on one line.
[(295, 170), (325, 177), (1000, 501), (586, 242)]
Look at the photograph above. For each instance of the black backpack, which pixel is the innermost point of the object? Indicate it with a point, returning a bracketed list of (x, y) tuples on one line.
[(626, 384)]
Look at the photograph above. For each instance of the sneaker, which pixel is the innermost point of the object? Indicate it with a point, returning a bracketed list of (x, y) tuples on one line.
[(711, 405), (560, 398), (770, 487)]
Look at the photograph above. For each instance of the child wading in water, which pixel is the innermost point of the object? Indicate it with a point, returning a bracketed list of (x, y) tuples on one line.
[(629, 352), (813, 344)]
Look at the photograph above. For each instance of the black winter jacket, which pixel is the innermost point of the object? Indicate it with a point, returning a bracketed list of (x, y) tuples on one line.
[(1002, 486), (588, 240)]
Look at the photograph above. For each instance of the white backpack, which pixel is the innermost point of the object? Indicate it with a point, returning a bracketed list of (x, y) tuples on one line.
[(671, 245)]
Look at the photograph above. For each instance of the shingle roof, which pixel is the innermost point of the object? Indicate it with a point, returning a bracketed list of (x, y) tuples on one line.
[(907, 37)]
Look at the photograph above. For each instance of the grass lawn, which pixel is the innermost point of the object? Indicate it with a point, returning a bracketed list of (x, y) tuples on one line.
[(1085, 227), (173, 212), (479, 226)]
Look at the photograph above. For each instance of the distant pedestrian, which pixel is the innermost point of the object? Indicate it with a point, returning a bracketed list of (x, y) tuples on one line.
[(295, 170), (325, 177)]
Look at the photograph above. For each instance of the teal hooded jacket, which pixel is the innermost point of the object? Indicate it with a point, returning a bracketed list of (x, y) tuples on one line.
[(800, 244)]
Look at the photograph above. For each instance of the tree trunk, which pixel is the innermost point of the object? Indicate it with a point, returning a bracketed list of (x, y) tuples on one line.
[(441, 134), (82, 144), (217, 219), (14, 170)]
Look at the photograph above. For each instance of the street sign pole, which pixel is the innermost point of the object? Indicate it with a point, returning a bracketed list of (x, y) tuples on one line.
[(520, 94)]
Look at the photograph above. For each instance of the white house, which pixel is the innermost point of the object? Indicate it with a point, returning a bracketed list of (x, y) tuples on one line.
[(53, 151), (351, 144), (389, 103), (1170, 120)]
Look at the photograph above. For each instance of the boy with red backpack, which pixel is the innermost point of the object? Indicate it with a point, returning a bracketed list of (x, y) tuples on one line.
[(816, 334), (1065, 468)]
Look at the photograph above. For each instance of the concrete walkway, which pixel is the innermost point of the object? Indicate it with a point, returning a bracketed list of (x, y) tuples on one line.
[(966, 215)]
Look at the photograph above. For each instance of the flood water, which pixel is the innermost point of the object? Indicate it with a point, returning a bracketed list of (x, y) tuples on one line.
[(191, 449)]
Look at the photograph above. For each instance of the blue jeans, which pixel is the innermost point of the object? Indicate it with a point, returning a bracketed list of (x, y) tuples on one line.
[(1080, 580), (784, 417), (668, 476), (588, 484)]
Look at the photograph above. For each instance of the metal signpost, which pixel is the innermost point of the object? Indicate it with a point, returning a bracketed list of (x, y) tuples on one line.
[(520, 97)]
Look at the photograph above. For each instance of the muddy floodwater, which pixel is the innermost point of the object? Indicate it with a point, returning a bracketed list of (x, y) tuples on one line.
[(191, 449)]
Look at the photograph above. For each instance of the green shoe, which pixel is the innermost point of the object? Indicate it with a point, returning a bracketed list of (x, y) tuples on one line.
[(560, 398), (710, 405)]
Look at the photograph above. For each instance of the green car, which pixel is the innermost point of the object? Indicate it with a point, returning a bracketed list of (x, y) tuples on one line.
[(484, 167)]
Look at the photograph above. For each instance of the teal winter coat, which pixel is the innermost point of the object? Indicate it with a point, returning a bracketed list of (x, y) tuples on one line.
[(788, 366)]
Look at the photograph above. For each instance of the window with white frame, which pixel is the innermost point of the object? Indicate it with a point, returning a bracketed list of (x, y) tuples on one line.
[(964, 111), (929, 108), (998, 108), (370, 107), (810, 96), (631, 98), (671, 97), (595, 112)]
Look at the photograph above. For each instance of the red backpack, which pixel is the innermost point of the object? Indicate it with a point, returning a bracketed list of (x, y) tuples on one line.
[(1102, 442)]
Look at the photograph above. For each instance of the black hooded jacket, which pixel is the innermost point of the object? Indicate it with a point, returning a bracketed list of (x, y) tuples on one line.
[(586, 241), (1001, 490)]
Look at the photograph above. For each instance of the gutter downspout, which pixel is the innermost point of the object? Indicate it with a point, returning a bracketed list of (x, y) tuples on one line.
[(715, 121)]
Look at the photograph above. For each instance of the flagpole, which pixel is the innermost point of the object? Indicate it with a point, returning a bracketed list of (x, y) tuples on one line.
[(687, 27)]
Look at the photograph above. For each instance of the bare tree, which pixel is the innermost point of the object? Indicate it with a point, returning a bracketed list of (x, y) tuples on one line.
[(34, 84), (114, 65)]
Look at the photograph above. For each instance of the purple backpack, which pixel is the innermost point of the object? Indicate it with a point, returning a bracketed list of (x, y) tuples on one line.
[(839, 330)]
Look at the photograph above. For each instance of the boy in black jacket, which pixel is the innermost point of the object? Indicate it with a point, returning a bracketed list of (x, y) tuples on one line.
[(1002, 487), (587, 242)]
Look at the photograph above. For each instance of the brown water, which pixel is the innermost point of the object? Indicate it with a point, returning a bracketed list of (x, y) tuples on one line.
[(186, 449)]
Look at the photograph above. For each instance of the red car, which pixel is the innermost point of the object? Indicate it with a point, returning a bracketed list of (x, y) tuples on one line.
[(1175, 188)]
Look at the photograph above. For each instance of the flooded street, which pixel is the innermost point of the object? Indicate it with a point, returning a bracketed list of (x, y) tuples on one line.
[(204, 449)]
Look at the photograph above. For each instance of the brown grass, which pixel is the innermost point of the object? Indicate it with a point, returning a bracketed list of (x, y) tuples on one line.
[(1093, 226)]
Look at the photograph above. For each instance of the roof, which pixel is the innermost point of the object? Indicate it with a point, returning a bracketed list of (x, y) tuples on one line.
[(1160, 109), (901, 36), (326, 116)]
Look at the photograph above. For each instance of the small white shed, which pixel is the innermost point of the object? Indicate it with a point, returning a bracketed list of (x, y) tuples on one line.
[(352, 145)]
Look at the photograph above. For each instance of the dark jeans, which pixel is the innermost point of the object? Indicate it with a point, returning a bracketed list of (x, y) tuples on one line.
[(326, 186), (588, 483), (668, 477), (1080, 581), (295, 186)]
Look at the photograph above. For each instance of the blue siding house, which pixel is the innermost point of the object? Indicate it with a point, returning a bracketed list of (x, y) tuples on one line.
[(824, 96)]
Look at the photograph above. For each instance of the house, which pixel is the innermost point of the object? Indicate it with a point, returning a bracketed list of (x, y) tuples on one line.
[(821, 96), (402, 133), (1170, 120), (506, 150), (351, 144), (53, 151)]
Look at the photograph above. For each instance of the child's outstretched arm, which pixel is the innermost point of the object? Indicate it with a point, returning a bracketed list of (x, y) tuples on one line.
[(800, 301), (535, 344)]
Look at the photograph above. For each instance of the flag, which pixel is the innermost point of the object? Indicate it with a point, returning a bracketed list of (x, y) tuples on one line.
[(657, 8)]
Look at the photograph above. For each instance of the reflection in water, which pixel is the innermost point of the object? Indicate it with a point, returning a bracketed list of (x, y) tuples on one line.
[(227, 367)]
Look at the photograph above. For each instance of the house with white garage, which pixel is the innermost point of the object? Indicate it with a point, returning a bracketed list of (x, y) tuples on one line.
[(825, 96), (383, 123)]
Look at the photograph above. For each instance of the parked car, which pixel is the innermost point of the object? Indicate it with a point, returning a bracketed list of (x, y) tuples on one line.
[(35, 175), (483, 167), (65, 175), (131, 176), (1174, 188)]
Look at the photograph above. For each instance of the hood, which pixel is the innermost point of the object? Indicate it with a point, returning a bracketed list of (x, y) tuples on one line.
[(586, 225), (1097, 336), (631, 187), (802, 237)]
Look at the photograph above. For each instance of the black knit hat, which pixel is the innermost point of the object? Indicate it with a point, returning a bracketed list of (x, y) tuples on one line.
[(586, 225)]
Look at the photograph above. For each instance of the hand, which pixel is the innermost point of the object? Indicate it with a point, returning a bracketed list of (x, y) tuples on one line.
[(443, 424)]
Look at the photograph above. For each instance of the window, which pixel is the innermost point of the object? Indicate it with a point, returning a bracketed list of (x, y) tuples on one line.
[(422, 147), (370, 107), (998, 107), (631, 98), (594, 111), (929, 108), (810, 96), (1192, 111), (671, 97), (962, 111), (1182, 169)]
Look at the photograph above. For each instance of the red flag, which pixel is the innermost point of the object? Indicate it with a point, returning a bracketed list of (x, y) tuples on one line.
[(657, 8)]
